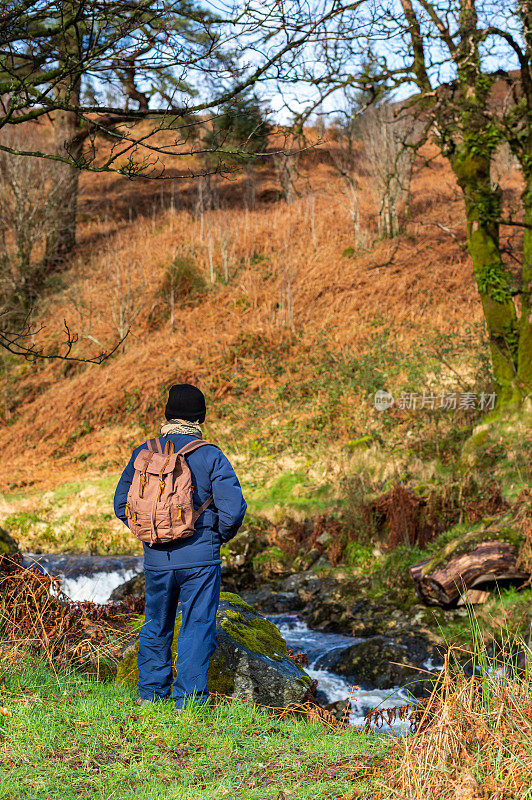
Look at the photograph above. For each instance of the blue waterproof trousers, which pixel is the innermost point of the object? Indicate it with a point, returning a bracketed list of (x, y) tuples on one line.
[(198, 589)]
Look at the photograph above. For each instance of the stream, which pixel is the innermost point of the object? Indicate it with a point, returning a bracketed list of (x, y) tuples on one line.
[(95, 577), (302, 639), (87, 577)]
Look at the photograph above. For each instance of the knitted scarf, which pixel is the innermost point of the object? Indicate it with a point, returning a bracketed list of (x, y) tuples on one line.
[(182, 426)]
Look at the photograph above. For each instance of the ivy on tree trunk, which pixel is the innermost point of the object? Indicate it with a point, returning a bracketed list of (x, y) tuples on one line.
[(482, 204)]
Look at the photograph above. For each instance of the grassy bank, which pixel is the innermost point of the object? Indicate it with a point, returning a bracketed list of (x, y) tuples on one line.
[(475, 739), (65, 736)]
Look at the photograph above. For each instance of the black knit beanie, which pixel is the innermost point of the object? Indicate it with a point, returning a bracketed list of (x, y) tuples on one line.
[(185, 402)]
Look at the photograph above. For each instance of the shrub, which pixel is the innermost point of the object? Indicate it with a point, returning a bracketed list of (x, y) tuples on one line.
[(183, 280), (358, 517), (183, 285)]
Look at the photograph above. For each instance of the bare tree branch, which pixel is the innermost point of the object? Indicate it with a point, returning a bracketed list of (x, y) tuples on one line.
[(17, 343)]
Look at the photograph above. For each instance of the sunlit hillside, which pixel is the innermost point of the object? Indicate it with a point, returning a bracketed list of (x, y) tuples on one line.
[(286, 323)]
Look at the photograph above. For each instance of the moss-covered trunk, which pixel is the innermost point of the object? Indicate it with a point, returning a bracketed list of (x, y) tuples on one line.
[(471, 162), (483, 212), (524, 350)]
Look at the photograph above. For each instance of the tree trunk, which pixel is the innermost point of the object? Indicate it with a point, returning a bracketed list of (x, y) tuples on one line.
[(482, 203), (468, 137), (471, 162), (524, 352), (62, 238), (488, 562)]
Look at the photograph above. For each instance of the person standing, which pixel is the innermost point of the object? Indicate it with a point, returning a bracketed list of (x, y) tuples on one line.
[(186, 568)]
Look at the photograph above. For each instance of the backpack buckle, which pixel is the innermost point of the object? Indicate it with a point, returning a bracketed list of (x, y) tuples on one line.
[(162, 487), (143, 479), (142, 483)]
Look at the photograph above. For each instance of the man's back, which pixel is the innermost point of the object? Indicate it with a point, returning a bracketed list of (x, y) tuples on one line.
[(212, 474)]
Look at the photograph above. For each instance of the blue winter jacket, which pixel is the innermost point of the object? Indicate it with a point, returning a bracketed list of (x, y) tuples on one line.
[(211, 474)]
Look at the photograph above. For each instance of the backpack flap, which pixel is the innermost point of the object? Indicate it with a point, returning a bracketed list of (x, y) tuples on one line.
[(149, 463), (154, 463)]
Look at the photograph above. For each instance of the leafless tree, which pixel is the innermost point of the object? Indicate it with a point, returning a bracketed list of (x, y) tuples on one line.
[(346, 156), (226, 245), (142, 76), (286, 166), (22, 341), (127, 297), (99, 67), (389, 139), (28, 188)]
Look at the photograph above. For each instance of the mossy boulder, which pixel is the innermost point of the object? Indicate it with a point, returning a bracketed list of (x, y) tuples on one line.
[(8, 546), (306, 559), (271, 563), (250, 662), (10, 555), (237, 559), (134, 587)]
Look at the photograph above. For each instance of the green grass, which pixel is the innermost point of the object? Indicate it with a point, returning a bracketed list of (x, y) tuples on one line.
[(70, 737), (504, 617), (64, 491), (74, 517), (78, 516), (291, 490)]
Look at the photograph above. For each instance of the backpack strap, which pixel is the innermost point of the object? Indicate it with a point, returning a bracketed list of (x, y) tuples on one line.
[(199, 511), (189, 448), (154, 446)]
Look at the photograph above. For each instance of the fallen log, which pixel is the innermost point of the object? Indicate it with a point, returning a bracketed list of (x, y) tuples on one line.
[(473, 597), (474, 560)]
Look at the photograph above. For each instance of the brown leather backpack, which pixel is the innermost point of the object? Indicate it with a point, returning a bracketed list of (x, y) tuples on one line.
[(159, 502)]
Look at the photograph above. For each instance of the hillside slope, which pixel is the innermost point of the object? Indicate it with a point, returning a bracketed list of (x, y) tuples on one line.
[(288, 329)]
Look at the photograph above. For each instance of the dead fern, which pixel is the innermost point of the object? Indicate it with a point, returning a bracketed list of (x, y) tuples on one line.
[(400, 514)]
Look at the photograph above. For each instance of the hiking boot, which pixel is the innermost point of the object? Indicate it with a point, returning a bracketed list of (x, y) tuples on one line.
[(141, 701)]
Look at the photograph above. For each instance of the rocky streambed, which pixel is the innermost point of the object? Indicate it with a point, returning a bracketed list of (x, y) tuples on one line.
[(379, 668), (323, 649)]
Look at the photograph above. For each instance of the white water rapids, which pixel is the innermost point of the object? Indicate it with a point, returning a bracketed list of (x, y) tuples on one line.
[(301, 639), (91, 578)]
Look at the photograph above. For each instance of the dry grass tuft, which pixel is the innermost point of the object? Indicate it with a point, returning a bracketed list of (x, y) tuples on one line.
[(474, 739), (37, 618)]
